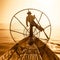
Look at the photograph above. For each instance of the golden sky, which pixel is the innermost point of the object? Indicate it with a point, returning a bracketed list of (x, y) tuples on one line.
[(51, 8)]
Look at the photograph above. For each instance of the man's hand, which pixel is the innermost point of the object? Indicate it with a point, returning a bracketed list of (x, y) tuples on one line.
[(27, 24)]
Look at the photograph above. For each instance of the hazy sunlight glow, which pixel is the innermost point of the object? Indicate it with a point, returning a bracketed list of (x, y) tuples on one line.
[(50, 7)]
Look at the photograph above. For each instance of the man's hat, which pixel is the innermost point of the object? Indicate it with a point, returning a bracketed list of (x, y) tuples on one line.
[(29, 12)]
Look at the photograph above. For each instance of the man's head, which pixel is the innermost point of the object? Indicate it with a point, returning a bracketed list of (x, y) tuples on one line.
[(29, 13)]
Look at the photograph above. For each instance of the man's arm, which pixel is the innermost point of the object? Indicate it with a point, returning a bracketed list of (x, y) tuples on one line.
[(33, 16), (26, 21)]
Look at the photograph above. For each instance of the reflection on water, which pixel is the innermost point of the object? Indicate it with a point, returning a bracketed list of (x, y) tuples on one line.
[(6, 42), (5, 36), (55, 47)]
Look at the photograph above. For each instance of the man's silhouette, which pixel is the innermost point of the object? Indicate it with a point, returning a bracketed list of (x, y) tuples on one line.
[(30, 18)]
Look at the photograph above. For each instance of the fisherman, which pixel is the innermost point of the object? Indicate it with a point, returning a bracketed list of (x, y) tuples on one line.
[(30, 18)]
